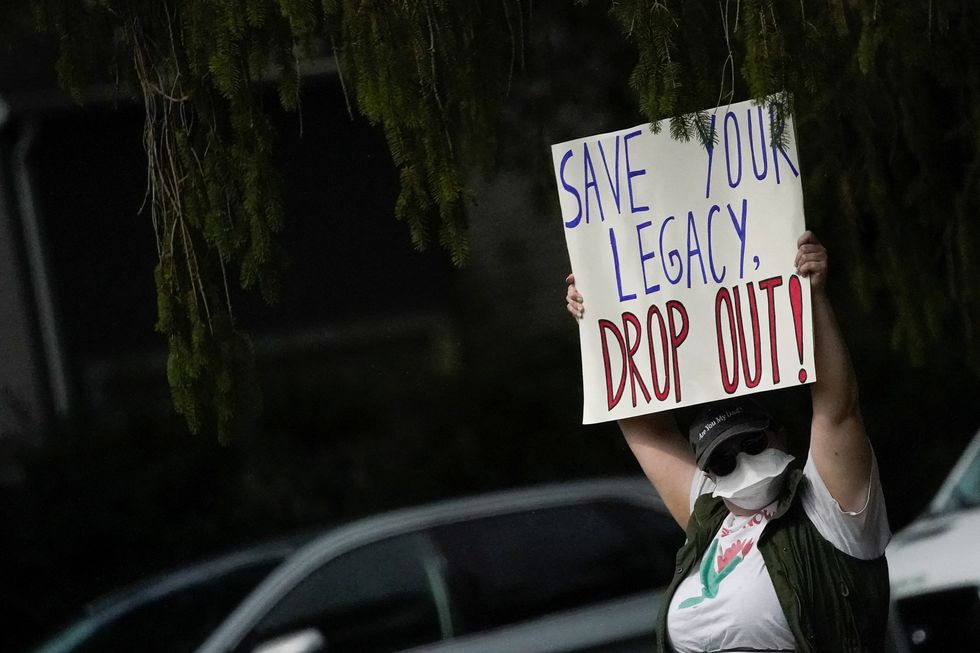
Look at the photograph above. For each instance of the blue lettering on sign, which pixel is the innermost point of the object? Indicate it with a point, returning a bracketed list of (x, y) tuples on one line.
[(692, 235), (678, 267), (589, 170), (619, 277), (673, 256), (644, 257), (775, 159), (762, 146), (630, 173), (613, 187), (570, 224), (739, 225), (738, 151), (711, 259), (734, 155)]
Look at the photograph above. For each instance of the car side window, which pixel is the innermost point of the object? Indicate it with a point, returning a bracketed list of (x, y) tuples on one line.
[(382, 597), (511, 568)]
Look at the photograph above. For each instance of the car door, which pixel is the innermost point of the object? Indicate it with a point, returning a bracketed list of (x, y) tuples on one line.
[(381, 597), (570, 568), (583, 577)]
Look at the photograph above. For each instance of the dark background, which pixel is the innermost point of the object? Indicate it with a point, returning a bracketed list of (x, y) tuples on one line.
[(389, 376)]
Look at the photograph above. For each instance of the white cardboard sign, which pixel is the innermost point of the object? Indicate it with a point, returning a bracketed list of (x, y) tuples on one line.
[(685, 258)]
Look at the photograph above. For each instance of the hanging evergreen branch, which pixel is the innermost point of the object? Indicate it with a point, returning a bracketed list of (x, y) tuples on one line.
[(431, 73), (873, 88), (212, 205), (213, 194), (883, 92)]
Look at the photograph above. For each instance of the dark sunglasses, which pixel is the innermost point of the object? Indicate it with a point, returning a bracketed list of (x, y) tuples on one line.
[(722, 463)]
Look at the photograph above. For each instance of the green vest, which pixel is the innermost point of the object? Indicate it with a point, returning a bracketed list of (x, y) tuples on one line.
[(832, 601)]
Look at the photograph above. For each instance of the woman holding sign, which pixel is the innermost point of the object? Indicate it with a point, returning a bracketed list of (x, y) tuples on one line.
[(779, 557)]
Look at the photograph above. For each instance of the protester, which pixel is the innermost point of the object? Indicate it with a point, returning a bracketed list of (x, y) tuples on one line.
[(778, 557)]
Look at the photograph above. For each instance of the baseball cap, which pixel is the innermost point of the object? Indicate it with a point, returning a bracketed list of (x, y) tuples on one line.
[(722, 420)]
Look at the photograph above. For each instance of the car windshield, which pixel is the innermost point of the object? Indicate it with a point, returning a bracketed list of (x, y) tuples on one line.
[(965, 491), (175, 621)]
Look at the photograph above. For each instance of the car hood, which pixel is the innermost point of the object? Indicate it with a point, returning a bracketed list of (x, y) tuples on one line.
[(935, 552)]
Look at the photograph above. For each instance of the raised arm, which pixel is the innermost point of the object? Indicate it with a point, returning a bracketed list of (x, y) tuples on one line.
[(659, 447), (665, 458), (838, 443)]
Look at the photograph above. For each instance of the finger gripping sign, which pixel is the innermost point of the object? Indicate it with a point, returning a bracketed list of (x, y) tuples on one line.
[(685, 258)]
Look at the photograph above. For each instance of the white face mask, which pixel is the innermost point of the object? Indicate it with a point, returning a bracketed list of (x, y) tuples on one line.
[(756, 480)]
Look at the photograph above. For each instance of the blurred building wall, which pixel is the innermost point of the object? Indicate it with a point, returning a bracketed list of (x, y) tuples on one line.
[(25, 392)]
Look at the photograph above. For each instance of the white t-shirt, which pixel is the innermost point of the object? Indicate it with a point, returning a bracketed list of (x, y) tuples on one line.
[(728, 603)]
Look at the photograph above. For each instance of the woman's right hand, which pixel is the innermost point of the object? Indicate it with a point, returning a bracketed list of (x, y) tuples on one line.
[(573, 300)]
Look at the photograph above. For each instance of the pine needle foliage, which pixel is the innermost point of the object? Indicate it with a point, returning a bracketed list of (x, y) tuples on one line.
[(213, 195), (885, 98), (430, 73)]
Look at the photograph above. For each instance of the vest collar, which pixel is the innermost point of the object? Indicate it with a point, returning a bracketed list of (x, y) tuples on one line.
[(793, 478)]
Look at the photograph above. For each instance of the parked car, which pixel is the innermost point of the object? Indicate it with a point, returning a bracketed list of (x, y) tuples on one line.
[(558, 568), (935, 567)]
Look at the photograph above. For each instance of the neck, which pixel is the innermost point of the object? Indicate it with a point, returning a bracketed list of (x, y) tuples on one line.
[(737, 510)]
